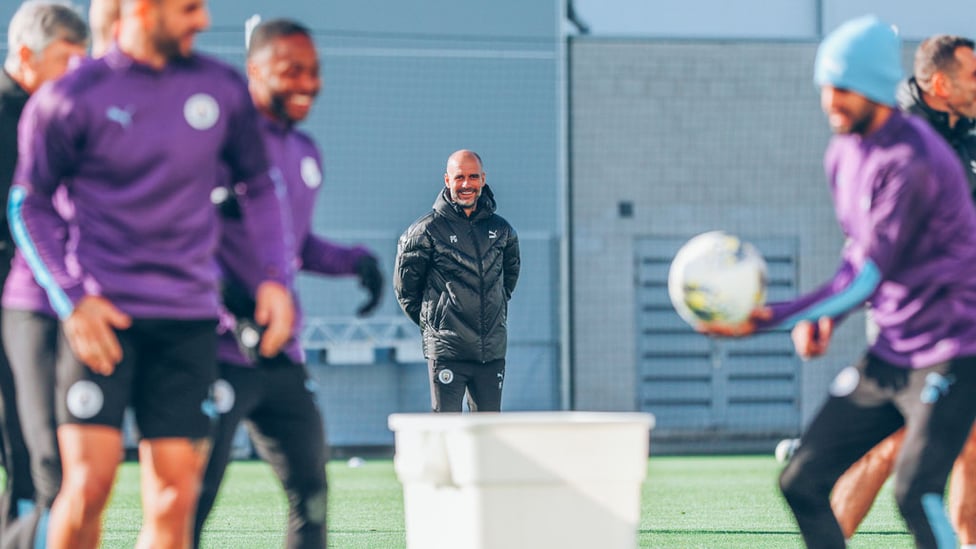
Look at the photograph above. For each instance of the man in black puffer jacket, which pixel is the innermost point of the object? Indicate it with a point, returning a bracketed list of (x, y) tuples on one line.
[(456, 269)]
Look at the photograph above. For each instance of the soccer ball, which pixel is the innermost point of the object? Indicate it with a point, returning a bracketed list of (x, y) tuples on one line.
[(715, 277)]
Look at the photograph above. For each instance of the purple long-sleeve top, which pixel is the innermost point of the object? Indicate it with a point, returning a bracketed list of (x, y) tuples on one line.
[(903, 202), (298, 161), (138, 150)]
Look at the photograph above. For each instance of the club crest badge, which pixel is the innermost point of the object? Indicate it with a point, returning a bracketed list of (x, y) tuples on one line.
[(311, 174), (445, 376), (223, 396), (85, 399), (201, 111), (845, 382)]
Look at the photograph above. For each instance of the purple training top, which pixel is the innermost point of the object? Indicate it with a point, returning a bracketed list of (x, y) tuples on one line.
[(903, 202), (138, 150), (297, 157)]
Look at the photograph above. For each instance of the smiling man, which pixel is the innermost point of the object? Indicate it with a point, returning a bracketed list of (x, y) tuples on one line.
[(942, 91), (456, 269), (274, 396), (903, 202)]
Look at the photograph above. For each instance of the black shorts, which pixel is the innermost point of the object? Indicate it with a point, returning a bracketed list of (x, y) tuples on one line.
[(165, 375)]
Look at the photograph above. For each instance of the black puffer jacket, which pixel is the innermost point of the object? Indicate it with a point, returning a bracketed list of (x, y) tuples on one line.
[(454, 276), (961, 136)]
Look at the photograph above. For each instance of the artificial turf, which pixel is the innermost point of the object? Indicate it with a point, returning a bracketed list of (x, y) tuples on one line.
[(688, 502)]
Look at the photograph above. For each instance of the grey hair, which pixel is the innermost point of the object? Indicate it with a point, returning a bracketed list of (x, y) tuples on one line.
[(39, 23)]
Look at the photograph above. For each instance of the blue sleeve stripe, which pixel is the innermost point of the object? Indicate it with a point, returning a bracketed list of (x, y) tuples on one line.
[(59, 300), (934, 508), (857, 292)]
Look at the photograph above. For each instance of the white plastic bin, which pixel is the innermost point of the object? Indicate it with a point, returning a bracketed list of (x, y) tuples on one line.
[(525, 480)]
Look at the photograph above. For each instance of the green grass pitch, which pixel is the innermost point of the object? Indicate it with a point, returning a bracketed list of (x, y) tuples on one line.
[(688, 502)]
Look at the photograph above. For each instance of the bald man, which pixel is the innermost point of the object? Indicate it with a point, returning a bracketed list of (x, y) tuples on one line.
[(456, 269)]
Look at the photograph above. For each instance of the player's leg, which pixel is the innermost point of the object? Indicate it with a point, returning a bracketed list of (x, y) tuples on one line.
[(174, 413), (855, 417), (485, 386), (235, 395), (939, 410), (30, 340), (447, 386), (90, 456), (289, 434), (857, 488), (170, 470), (90, 408), (962, 493)]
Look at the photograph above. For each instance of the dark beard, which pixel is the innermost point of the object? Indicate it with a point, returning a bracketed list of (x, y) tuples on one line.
[(168, 46), (861, 125), (278, 109)]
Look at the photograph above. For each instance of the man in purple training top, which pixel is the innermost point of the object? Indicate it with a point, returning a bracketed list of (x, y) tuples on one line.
[(274, 396), (903, 202), (137, 138)]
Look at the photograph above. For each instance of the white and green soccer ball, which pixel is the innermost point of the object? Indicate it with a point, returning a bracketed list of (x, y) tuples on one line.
[(716, 277)]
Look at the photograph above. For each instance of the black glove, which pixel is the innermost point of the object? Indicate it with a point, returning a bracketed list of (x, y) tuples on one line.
[(248, 333), (371, 279)]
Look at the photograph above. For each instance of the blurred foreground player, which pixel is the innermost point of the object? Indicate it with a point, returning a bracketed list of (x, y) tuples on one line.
[(274, 396), (137, 138), (943, 92), (903, 202)]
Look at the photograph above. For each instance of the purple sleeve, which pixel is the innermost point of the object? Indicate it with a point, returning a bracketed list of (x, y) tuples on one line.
[(324, 257), (48, 137), (263, 190)]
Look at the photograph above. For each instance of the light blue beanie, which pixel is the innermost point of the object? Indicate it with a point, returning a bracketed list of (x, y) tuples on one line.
[(862, 55)]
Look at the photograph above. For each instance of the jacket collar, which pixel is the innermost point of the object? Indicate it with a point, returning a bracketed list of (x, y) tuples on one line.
[(486, 204), (910, 99), (13, 94)]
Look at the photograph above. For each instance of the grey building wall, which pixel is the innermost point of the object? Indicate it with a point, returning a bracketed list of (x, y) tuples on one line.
[(406, 84), (776, 19), (695, 136)]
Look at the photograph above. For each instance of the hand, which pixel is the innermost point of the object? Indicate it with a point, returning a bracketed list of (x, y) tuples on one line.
[(370, 278), (740, 329), (275, 311), (90, 331), (811, 340)]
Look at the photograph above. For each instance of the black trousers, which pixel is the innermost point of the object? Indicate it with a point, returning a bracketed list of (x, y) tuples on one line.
[(276, 400), (13, 449), (30, 340), (450, 379), (868, 402)]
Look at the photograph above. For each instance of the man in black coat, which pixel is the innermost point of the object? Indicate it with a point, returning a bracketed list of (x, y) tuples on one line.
[(456, 269), (43, 37)]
